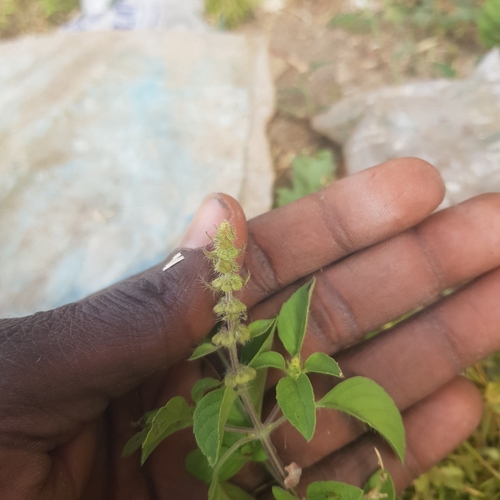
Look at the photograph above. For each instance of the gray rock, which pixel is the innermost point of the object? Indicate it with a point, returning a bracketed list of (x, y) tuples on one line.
[(109, 143), (453, 124)]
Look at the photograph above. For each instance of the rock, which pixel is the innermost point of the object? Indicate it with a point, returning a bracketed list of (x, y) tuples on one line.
[(453, 124)]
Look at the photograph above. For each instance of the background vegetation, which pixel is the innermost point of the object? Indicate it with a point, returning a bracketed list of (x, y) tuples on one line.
[(18, 17)]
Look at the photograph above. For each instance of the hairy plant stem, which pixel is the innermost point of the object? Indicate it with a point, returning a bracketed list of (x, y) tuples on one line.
[(233, 312), (274, 413), (240, 430), (276, 465), (275, 425)]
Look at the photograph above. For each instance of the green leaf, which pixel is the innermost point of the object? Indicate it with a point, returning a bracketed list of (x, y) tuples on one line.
[(260, 326), (281, 494), (319, 362), (332, 490), (237, 418), (235, 492), (488, 23), (232, 465), (198, 466), (209, 420), (203, 385), (227, 491), (175, 415), (215, 492), (444, 70), (203, 349), (383, 481), (249, 351), (258, 344), (296, 400), (367, 401), (269, 359), (309, 174), (259, 454), (135, 442), (292, 319)]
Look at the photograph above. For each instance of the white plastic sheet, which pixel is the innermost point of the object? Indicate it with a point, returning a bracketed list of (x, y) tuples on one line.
[(109, 143)]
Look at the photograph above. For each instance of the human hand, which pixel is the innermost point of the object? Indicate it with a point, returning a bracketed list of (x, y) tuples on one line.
[(72, 380)]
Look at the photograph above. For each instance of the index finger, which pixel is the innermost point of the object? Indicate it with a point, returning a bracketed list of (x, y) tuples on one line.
[(351, 214)]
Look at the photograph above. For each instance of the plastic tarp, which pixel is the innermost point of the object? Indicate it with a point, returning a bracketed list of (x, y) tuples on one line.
[(109, 142)]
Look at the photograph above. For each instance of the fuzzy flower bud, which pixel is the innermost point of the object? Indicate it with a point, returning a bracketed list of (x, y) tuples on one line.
[(295, 367), (245, 374)]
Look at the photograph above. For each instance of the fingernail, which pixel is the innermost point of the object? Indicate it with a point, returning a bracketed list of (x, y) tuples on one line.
[(211, 213)]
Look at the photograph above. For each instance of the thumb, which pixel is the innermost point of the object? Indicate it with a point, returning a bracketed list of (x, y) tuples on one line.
[(74, 358)]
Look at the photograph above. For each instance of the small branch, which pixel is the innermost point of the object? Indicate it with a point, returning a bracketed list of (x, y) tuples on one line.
[(233, 356), (272, 415), (277, 466), (240, 430), (272, 427)]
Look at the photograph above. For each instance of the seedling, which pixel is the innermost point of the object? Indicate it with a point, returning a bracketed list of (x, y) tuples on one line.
[(226, 413)]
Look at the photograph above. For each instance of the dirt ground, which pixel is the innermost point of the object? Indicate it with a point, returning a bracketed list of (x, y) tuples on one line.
[(314, 65)]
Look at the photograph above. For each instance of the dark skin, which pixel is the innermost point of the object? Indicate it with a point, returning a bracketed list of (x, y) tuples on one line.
[(73, 379)]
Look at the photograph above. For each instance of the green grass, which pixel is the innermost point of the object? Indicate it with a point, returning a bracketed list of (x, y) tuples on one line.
[(418, 18), (18, 17), (431, 34), (309, 174), (472, 471), (229, 14), (488, 22)]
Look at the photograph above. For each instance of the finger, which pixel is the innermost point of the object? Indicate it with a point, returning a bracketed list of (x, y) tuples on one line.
[(406, 272), (372, 287), (434, 428), (62, 366), (412, 360), (351, 214)]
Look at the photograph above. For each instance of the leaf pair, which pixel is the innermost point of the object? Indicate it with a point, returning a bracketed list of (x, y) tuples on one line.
[(294, 392), (357, 396), (292, 318), (292, 326)]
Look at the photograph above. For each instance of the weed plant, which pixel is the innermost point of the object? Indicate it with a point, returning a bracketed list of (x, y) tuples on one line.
[(488, 22), (22, 16), (226, 412)]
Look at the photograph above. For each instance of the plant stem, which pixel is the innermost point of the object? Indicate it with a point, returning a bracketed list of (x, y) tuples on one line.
[(274, 412), (275, 425), (240, 430), (260, 430), (277, 467)]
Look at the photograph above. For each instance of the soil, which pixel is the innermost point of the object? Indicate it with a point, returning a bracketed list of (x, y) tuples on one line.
[(314, 66)]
